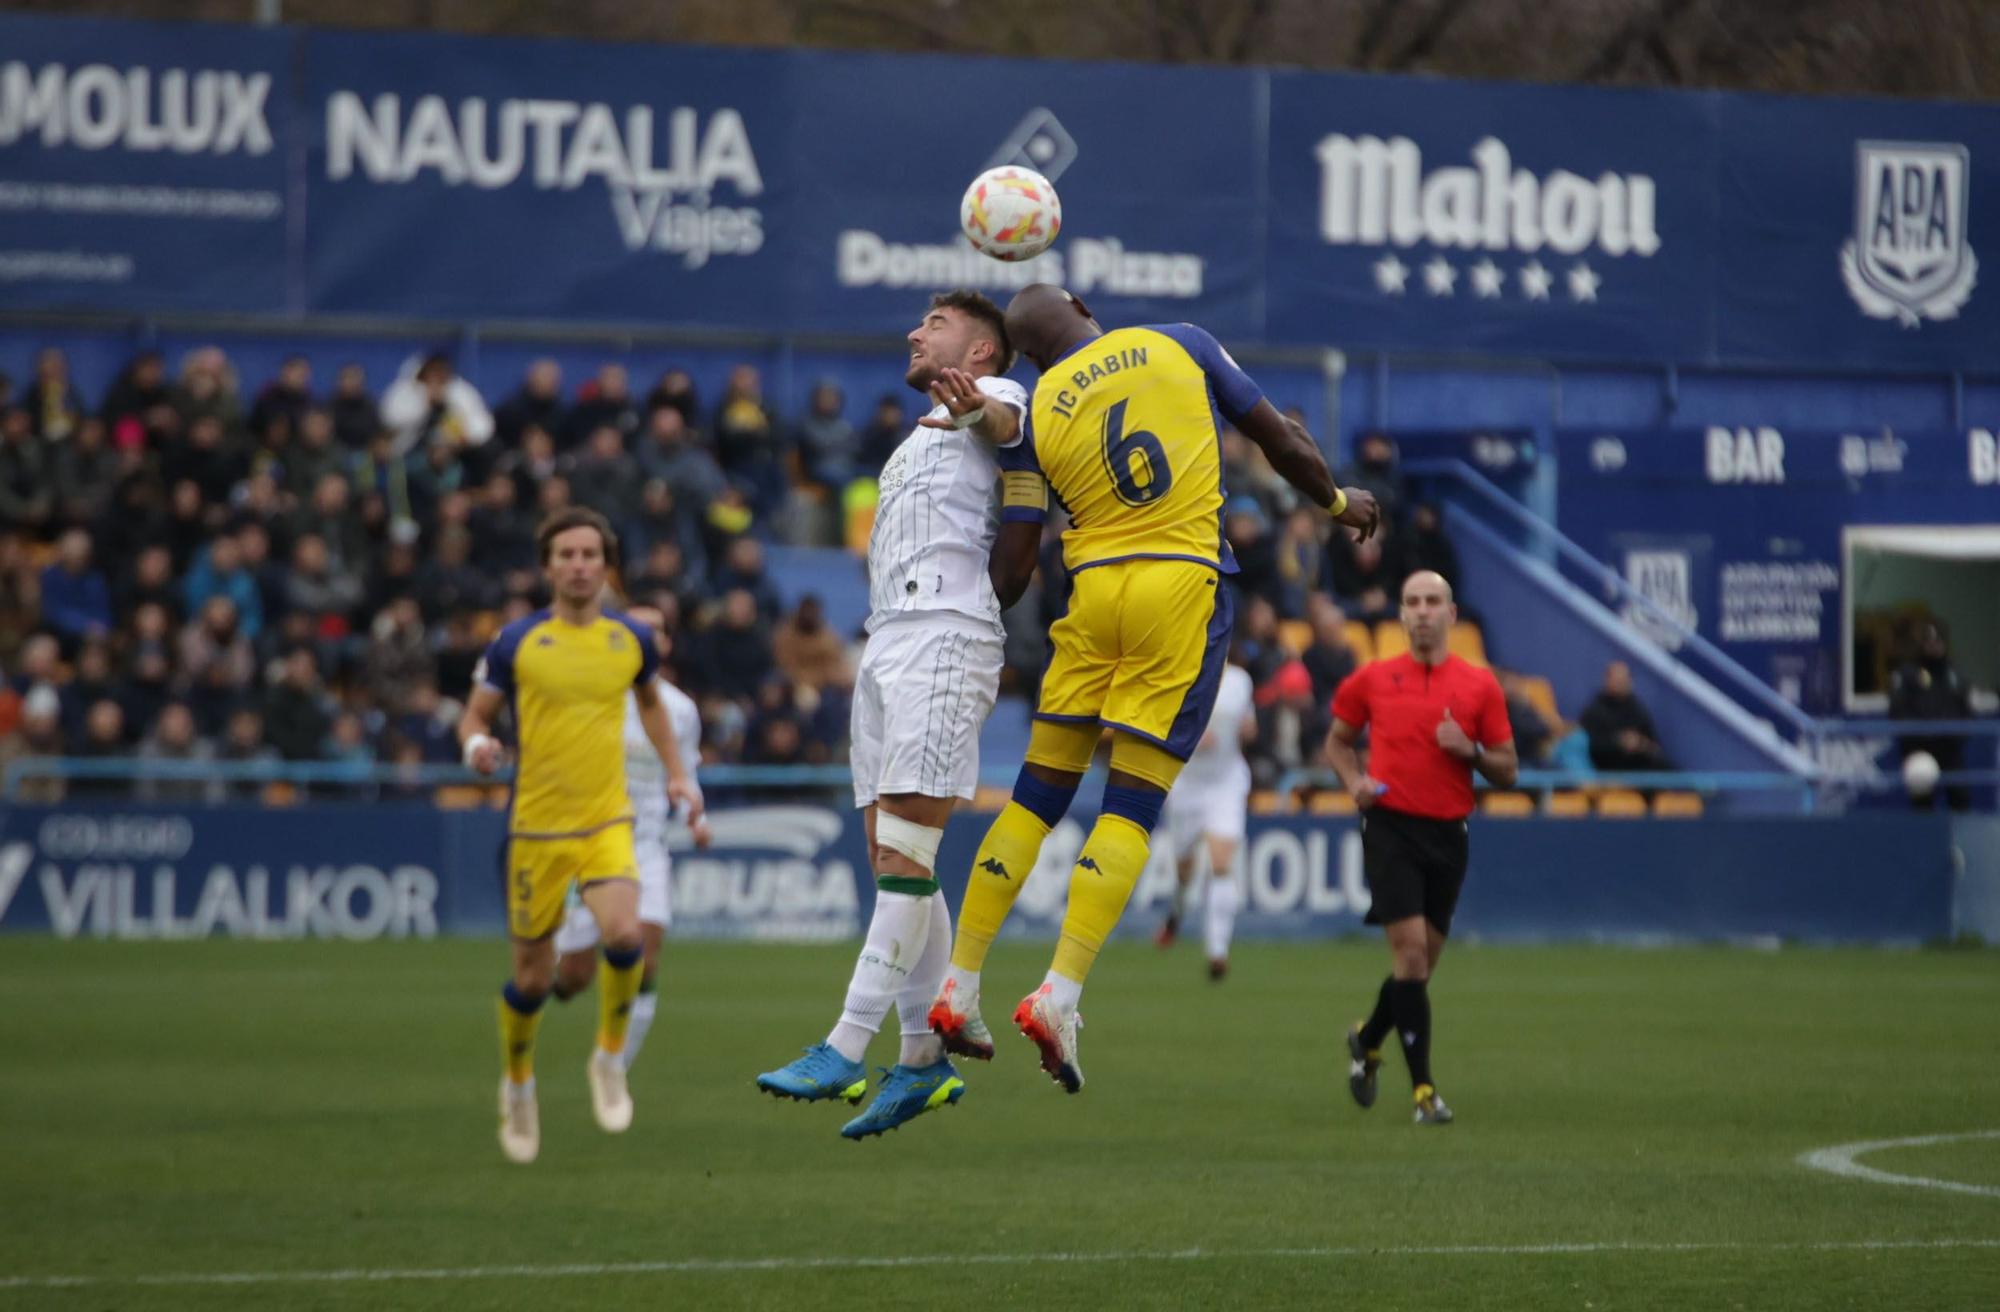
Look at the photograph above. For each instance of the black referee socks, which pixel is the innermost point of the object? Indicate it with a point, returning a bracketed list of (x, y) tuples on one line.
[(1376, 1027), (1410, 1005)]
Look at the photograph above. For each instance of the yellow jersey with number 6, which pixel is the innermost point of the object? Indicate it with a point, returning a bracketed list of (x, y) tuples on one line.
[(1127, 430)]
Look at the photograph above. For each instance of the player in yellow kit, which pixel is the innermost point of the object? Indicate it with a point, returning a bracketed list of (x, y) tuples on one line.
[(1126, 427), (566, 671)]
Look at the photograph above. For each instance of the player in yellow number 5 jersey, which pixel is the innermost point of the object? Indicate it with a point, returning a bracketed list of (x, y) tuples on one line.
[(566, 671), (1124, 427)]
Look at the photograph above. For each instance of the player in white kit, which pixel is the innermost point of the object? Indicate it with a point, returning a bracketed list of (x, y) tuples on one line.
[(940, 570), (646, 784), (1206, 816)]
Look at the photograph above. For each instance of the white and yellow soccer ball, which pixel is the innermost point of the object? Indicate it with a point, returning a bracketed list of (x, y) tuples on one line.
[(1010, 213)]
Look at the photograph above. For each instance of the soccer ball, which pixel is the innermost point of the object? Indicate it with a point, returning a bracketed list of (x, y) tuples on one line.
[(1920, 773), (1010, 213)]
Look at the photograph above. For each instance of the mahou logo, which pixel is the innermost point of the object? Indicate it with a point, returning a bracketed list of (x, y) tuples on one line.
[(1908, 259), (1376, 192)]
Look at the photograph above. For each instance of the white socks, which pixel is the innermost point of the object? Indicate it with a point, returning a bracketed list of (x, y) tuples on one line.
[(1063, 991), (641, 1020), (1220, 922), (913, 1004), (897, 935)]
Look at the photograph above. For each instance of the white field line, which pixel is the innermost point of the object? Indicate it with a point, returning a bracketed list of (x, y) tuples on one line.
[(1840, 1160), (697, 1266)]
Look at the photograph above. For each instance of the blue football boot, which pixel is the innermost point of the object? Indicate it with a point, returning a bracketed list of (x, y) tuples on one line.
[(821, 1073), (907, 1092)]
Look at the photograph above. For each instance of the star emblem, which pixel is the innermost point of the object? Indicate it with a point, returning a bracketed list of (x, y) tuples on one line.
[(1535, 281), (1390, 273), (1439, 276), (1583, 283), (1486, 279)]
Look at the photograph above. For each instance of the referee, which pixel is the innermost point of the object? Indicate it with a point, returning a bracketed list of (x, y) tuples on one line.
[(1432, 719)]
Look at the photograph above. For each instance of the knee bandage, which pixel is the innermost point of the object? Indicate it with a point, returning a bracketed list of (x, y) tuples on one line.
[(915, 841)]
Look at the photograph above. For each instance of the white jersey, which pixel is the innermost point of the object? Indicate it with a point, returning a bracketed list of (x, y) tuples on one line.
[(645, 777), (936, 520), (1219, 760)]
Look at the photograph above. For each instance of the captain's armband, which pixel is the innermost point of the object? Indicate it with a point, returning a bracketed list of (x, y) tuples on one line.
[(1024, 495)]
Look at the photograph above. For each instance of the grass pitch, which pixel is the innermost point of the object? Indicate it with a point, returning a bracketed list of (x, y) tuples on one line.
[(310, 1125)]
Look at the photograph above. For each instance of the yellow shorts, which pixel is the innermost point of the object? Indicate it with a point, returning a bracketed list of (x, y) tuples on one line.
[(540, 872), (1141, 650)]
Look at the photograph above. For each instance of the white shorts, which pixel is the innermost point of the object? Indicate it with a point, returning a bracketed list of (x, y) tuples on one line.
[(578, 932), (1207, 807), (924, 688)]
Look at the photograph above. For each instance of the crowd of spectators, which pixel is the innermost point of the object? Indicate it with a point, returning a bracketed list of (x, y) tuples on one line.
[(190, 571)]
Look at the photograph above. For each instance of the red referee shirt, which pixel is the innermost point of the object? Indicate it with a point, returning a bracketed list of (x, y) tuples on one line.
[(1401, 701)]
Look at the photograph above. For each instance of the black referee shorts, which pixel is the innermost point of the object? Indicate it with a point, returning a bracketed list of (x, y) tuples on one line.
[(1414, 866)]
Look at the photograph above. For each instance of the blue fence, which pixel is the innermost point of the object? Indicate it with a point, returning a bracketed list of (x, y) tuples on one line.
[(800, 872), (293, 172)]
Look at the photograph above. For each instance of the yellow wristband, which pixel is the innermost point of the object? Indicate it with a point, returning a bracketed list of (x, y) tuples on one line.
[(1339, 502)]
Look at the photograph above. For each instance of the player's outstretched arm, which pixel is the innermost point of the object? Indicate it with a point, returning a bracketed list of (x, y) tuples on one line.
[(659, 727), (1016, 551), (475, 728), (958, 392), (1297, 458)]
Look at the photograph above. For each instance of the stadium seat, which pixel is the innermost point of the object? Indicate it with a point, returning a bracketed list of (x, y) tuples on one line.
[(1678, 806), (485, 624), (1264, 801), (991, 798), (279, 793), (1567, 805), (1297, 635), (1541, 695), (1362, 639), (1330, 801), (497, 797), (1390, 640), (1468, 644), (1621, 804), (460, 797), (1507, 804)]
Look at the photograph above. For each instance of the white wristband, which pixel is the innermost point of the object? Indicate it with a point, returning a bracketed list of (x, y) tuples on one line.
[(474, 744), (969, 418)]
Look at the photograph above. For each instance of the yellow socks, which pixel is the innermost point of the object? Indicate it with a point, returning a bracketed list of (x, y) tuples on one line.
[(617, 986), (519, 1018), (1113, 858), (1006, 858)]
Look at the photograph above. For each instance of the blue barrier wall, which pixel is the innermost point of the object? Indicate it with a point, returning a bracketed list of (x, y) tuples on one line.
[(798, 872)]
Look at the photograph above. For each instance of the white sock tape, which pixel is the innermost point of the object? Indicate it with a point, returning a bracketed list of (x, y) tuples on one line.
[(915, 841)]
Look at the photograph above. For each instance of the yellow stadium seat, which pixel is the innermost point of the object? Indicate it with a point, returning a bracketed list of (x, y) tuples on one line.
[(460, 797), (497, 796), (1331, 801), (1264, 802), (1296, 635), (1390, 640), (279, 793), (485, 624), (1621, 804), (1362, 640), (1467, 643), (1678, 806), (1541, 695), (1507, 804), (860, 523), (1568, 804)]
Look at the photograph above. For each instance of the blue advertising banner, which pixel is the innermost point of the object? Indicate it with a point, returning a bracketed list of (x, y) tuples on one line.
[(1143, 240), (544, 179), (1425, 214), (1853, 230), (183, 167), (1737, 532), (144, 166), (799, 873)]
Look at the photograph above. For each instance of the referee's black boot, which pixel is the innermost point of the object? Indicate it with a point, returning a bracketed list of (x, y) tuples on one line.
[(1361, 1068)]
